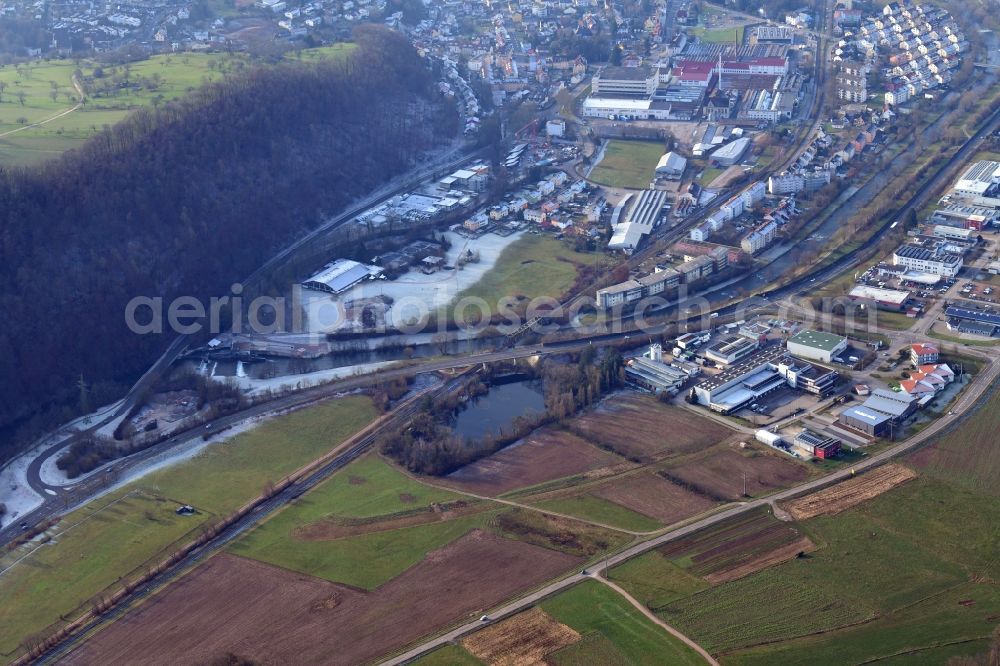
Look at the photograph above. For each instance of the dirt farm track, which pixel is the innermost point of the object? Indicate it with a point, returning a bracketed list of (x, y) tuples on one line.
[(275, 616)]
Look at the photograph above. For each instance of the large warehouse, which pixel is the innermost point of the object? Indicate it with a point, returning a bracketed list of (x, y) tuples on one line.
[(341, 275), (817, 345), (868, 421), (979, 179), (886, 299), (731, 153), (644, 214), (977, 322), (671, 165)]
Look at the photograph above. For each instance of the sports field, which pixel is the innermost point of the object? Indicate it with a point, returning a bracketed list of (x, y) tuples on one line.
[(732, 35), (114, 536), (40, 111), (628, 164)]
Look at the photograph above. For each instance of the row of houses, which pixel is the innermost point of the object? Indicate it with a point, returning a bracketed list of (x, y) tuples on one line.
[(729, 211), (922, 46)]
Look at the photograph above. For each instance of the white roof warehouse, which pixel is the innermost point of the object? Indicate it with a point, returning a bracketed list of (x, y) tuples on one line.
[(340, 275)]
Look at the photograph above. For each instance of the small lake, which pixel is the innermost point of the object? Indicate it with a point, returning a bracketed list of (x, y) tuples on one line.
[(498, 408)]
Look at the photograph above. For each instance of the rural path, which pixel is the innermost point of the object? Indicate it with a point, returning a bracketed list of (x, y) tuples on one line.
[(652, 616), (528, 507), (976, 391), (41, 122), (79, 91)]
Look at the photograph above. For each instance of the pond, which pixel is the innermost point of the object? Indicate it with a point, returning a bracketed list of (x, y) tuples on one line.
[(498, 408)]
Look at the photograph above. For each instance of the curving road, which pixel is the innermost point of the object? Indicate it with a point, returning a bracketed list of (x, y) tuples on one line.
[(973, 394)]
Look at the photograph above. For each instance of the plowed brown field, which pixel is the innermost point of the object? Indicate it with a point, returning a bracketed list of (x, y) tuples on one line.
[(545, 455), (642, 429), (274, 616), (521, 640), (720, 475), (852, 492), (655, 497)]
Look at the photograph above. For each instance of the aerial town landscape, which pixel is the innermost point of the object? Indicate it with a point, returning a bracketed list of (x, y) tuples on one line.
[(539, 332)]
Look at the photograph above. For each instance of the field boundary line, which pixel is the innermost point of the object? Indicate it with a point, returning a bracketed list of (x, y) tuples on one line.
[(922, 649), (518, 505)]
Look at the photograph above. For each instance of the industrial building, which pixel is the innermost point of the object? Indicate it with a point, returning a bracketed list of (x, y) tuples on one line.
[(739, 385), (884, 299), (758, 375), (927, 260), (816, 445), (730, 349), (979, 179), (807, 377), (625, 81), (976, 322), (772, 34), (731, 153), (816, 345), (897, 405), (649, 371), (671, 165), (879, 413), (868, 421), (340, 275), (644, 213)]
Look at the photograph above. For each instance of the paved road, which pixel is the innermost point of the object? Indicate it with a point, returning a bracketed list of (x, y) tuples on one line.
[(974, 393)]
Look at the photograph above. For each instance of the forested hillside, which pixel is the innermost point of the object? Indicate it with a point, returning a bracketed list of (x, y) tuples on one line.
[(187, 199)]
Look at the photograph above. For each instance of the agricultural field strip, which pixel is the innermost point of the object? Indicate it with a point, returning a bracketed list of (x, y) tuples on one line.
[(967, 400), (313, 474), (659, 621), (847, 494), (712, 552), (527, 507), (41, 545)]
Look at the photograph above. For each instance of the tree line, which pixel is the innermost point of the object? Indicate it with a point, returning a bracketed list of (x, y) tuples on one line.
[(428, 444), (186, 199)]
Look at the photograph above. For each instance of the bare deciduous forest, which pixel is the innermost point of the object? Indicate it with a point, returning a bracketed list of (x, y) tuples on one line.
[(186, 199)]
